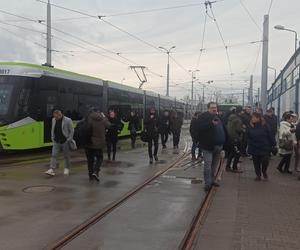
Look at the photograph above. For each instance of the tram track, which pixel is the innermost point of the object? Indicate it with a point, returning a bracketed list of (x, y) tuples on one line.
[(189, 240), (78, 230)]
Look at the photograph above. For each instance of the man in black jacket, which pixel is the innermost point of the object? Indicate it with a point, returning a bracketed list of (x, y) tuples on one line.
[(271, 120), (164, 128), (194, 135), (211, 137), (151, 125)]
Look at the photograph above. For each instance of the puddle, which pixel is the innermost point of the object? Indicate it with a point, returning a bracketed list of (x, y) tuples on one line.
[(161, 162), (184, 179), (39, 189), (154, 183), (110, 184), (119, 164), (6, 193), (114, 172)]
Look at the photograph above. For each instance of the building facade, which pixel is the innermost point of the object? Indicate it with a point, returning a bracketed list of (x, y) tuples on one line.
[(284, 92)]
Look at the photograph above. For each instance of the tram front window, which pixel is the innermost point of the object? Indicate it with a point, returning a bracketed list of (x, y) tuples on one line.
[(5, 96)]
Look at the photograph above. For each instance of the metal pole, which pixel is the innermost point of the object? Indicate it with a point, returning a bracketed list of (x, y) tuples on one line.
[(203, 103), (243, 97), (192, 94), (48, 49), (168, 73), (251, 92), (264, 73), (258, 100)]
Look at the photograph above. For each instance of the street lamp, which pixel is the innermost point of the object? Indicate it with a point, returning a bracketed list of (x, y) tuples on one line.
[(168, 66), (192, 92), (280, 27)]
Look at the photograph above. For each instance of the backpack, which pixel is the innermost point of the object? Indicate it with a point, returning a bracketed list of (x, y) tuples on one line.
[(83, 133)]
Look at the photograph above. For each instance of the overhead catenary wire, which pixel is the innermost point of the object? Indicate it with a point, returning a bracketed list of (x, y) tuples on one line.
[(86, 42), (271, 4), (222, 38), (120, 29), (65, 33), (99, 17), (154, 10), (194, 51), (256, 60), (24, 28), (179, 65), (22, 37), (250, 15), (202, 41)]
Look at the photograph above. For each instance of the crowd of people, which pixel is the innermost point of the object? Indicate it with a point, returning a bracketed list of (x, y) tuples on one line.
[(243, 132), (97, 132), (240, 132)]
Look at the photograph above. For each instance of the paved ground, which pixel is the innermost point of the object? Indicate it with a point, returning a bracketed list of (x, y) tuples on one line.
[(251, 215), (159, 215)]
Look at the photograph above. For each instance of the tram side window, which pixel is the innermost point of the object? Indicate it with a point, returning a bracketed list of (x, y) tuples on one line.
[(123, 102), (151, 102), (85, 97), (23, 102), (66, 97)]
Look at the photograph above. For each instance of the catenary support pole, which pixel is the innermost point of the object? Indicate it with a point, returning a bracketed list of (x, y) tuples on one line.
[(264, 73)]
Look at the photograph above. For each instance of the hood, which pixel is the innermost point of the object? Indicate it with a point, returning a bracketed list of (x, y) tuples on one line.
[(285, 124), (96, 116), (232, 117)]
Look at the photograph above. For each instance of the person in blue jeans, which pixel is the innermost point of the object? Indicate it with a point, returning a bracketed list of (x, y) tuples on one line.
[(62, 132), (211, 137)]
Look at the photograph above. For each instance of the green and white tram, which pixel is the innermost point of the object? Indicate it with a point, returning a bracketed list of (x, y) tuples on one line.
[(29, 93)]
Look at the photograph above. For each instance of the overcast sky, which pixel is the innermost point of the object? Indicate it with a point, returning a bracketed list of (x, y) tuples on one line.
[(240, 24)]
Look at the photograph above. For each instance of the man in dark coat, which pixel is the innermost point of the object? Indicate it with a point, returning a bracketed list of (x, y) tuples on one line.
[(164, 129), (133, 127), (194, 135), (176, 122), (211, 137), (235, 129), (94, 150), (151, 125), (271, 121)]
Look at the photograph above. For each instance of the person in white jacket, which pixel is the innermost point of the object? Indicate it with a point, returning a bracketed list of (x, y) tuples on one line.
[(287, 140)]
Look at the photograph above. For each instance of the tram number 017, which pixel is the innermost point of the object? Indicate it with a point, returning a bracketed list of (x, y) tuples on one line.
[(4, 71)]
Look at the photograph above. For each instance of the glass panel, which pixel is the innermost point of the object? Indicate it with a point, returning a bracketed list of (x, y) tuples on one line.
[(5, 96), (296, 74)]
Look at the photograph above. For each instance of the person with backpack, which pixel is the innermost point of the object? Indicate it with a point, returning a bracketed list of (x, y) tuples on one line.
[(97, 124), (112, 134), (61, 135), (133, 127)]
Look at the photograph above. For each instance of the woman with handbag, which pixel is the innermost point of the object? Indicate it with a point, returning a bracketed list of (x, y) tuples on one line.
[(286, 143), (260, 144)]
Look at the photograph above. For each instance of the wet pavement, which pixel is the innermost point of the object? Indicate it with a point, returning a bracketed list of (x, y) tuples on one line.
[(37, 210), (246, 214)]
